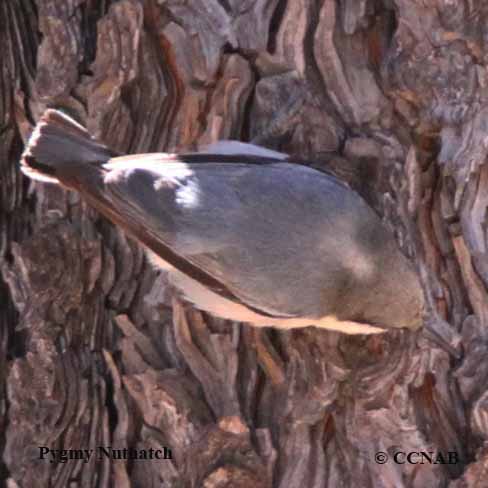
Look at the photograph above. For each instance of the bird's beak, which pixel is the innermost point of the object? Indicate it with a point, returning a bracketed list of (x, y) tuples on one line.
[(438, 331)]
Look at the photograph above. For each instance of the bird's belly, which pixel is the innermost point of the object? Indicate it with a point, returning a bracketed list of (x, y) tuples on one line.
[(208, 301), (156, 261)]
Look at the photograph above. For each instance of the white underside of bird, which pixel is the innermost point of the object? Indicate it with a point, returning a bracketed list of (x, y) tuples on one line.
[(206, 300)]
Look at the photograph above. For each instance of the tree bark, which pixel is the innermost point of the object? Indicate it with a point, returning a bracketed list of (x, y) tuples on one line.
[(97, 350)]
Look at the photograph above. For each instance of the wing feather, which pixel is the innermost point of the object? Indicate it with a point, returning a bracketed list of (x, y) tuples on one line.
[(219, 224)]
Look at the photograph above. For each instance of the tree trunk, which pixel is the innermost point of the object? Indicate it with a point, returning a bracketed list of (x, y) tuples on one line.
[(96, 350)]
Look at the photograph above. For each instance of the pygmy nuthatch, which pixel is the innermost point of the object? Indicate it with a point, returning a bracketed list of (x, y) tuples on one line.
[(245, 233)]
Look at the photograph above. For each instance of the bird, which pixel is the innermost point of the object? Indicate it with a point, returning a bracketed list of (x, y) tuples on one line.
[(245, 233)]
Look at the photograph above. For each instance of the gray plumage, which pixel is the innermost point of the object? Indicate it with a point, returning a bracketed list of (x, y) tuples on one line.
[(285, 242)]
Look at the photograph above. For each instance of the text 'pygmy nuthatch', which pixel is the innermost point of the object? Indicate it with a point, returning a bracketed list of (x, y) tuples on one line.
[(245, 233)]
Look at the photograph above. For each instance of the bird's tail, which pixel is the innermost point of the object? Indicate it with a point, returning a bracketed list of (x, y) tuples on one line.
[(58, 143)]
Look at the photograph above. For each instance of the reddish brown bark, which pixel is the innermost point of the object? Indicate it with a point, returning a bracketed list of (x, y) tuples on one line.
[(96, 350)]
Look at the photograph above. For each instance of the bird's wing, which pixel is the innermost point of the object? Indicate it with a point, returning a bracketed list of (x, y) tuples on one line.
[(274, 236), (240, 148)]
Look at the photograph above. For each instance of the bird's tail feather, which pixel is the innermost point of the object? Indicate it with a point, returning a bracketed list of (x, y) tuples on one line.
[(57, 143)]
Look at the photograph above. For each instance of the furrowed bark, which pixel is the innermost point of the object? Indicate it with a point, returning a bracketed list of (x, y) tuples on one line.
[(97, 350)]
